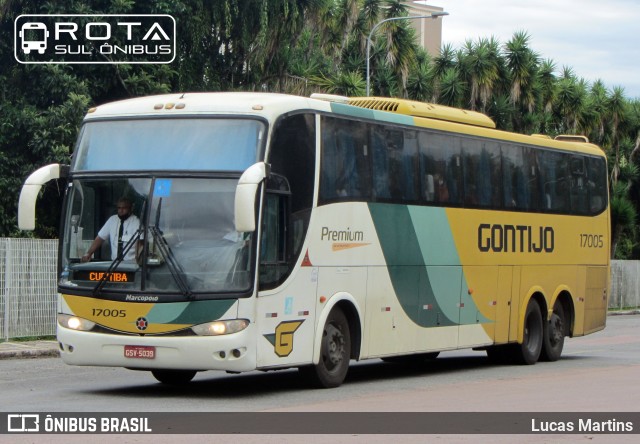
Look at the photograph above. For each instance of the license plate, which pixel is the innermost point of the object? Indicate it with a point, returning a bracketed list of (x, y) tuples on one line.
[(139, 351)]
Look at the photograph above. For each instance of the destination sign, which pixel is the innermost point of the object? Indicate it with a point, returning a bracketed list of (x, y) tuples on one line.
[(96, 276)]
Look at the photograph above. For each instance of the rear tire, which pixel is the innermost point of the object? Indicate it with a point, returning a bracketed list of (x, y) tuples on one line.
[(554, 333), (529, 351), (335, 352), (174, 377)]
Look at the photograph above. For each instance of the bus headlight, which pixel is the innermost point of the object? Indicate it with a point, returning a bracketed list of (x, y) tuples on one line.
[(218, 328), (75, 323)]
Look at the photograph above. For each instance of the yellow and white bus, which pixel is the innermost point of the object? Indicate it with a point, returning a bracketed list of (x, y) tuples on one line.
[(278, 231)]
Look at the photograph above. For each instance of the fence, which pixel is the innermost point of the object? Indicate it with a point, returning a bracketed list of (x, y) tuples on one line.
[(625, 285), (28, 287)]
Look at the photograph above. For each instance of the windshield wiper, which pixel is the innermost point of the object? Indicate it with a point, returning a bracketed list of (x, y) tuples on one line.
[(176, 270), (117, 261), (173, 265)]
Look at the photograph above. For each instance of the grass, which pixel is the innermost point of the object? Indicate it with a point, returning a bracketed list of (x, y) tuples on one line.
[(30, 338)]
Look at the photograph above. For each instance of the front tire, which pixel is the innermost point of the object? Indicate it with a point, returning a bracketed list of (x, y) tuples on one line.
[(335, 352), (174, 377), (554, 330)]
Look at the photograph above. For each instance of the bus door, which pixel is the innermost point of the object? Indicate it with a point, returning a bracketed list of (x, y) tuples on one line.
[(285, 307)]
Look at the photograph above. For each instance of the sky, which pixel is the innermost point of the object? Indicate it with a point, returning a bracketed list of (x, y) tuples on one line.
[(598, 39)]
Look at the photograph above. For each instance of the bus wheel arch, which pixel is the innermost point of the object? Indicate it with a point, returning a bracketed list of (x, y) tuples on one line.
[(338, 343), (355, 328), (566, 301)]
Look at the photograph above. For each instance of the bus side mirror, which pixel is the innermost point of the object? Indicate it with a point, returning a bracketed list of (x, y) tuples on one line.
[(30, 191), (245, 202)]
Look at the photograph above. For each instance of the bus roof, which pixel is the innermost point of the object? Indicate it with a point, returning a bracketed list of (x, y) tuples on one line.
[(456, 120), (271, 105), (267, 105), (421, 109)]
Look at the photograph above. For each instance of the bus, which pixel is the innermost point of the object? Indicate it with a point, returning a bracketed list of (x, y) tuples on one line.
[(279, 231)]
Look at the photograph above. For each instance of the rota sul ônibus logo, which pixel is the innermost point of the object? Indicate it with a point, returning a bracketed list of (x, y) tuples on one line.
[(94, 39)]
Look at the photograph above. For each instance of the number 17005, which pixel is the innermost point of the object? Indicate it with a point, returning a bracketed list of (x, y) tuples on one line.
[(591, 240)]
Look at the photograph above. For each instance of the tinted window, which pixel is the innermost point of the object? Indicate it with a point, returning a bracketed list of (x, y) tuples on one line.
[(345, 161), (169, 144), (388, 163)]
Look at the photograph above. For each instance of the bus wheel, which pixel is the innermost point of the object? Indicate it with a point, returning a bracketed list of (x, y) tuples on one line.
[(554, 335), (335, 352), (529, 351), (174, 377)]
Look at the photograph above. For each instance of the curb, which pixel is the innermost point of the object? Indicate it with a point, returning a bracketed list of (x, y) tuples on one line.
[(26, 354), (624, 312), (12, 350)]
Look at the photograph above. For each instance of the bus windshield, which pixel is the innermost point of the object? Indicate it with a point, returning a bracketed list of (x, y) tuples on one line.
[(219, 144), (179, 237)]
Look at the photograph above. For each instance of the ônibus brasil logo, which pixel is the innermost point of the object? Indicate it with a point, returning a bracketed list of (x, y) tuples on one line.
[(95, 38)]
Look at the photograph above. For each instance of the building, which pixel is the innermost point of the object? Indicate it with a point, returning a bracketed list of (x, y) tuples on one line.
[(429, 31)]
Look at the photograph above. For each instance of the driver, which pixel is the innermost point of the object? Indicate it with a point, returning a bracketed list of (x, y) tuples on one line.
[(118, 229)]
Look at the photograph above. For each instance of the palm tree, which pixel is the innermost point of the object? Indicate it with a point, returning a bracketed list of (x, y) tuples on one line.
[(400, 42), (595, 113), (452, 88), (623, 212), (522, 63), (441, 63), (546, 83), (343, 83), (633, 119), (421, 80), (481, 60), (616, 107), (570, 101)]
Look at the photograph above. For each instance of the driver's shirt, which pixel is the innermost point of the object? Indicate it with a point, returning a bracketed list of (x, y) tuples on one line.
[(110, 232)]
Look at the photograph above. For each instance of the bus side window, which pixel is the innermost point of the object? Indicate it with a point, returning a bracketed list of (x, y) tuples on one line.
[(471, 175), (396, 160), (578, 183), (409, 179), (507, 168), (453, 179), (436, 170), (330, 160), (273, 264), (553, 173), (345, 166), (380, 177), (597, 185)]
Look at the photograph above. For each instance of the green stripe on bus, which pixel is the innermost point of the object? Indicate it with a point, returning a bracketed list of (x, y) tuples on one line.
[(406, 266), (191, 313), (429, 294), (445, 267)]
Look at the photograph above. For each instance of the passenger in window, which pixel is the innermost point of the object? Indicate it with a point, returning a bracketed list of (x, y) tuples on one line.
[(442, 192), (430, 188), (472, 195)]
